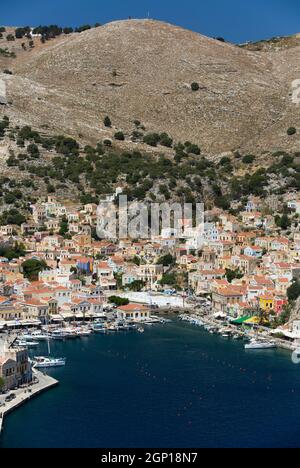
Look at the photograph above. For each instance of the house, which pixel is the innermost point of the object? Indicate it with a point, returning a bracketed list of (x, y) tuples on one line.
[(224, 298), (266, 302), (136, 312), (15, 368), (253, 251)]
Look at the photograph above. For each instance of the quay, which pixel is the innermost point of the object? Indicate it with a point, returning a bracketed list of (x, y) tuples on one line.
[(23, 395)]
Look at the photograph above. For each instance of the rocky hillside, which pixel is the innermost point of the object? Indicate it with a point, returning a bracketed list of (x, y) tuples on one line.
[(143, 70)]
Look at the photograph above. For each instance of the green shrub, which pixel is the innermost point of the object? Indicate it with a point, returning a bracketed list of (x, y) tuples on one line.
[(119, 136), (248, 159), (107, 121), (291, 131), (195, 86)]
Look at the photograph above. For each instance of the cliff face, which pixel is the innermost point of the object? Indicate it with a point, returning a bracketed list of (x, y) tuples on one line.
[(143, 70)]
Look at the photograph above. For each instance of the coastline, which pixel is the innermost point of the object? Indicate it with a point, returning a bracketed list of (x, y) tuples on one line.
[(45, 382)]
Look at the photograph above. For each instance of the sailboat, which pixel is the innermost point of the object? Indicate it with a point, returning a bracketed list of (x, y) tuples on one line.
[(41, 362)]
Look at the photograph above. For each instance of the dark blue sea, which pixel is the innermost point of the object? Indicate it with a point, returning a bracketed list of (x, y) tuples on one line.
[(173, 386)]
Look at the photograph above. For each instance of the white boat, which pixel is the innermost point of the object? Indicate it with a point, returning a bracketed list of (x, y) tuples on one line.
[(27, 344), (58, 334), (40, 336), (43, 362), (259, 344), (83, 332)]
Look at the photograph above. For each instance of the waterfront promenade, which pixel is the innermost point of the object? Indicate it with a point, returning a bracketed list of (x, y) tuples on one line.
[(43, 383)]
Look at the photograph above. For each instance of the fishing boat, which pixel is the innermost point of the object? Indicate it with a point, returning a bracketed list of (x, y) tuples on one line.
[(260, 344), (140, 330)]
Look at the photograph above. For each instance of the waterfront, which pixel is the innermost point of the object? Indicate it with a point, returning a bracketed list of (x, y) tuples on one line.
[(173, 386)]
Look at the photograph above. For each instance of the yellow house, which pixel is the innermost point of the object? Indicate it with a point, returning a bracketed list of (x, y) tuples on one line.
[(266, 302)]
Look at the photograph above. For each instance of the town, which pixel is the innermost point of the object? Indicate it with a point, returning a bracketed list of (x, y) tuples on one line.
[(56, 276)]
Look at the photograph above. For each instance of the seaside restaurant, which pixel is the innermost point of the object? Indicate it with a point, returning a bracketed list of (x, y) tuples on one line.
[(137, 312)]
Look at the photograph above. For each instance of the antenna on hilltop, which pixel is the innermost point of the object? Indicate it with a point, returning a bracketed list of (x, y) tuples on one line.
[(148, 15)]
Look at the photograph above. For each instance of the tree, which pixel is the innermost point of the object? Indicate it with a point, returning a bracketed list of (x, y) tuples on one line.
[(136, 285), (118, 301), (10, 252), (32, 267), (64, 226), (165, 140), (166, 260), (151, 139), (283, 222), (233, 274), (293, 291), (2, 384), (107, 121)]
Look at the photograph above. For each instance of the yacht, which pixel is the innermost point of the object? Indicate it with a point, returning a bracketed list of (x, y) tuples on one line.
[(58, 334), (259, 344), (43, 362), (39, 336)]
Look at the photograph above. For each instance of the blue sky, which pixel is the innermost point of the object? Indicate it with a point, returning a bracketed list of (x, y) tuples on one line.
[(235, 20)]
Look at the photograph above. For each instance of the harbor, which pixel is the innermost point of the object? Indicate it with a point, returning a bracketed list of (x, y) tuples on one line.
[(175, 383)]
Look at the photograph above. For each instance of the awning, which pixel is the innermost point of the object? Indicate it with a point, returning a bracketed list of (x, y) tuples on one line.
[(241, 320), (256, 321)]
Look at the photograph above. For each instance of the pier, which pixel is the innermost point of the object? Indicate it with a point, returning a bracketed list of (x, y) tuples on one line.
[(23, 395)]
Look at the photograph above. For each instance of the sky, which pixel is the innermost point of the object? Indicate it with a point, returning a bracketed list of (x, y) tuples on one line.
[(235, 20)]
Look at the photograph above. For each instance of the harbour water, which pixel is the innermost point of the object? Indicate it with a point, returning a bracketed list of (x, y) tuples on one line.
[(173, 386)]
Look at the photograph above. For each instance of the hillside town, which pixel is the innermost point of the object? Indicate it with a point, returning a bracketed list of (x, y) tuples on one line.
[(58, 272)]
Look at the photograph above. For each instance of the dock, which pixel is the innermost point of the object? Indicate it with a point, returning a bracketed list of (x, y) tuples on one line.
[(23, 395)]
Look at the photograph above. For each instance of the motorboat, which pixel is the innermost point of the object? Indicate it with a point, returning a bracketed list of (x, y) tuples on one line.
[(26, 344), (41, 362), (260, 344), (40, 336), (99, 328), (58, 334), (83, 332)]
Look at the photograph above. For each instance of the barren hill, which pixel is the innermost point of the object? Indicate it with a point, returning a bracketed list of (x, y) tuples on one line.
[(142, 69)]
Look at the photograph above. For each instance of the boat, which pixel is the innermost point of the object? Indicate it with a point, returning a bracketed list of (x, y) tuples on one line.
[(260, 344), (43, 362), (26, 344), (140, 330), (85, 332), (70, 333), (226, 335), (58, 334), (41, 336), (99, 328)]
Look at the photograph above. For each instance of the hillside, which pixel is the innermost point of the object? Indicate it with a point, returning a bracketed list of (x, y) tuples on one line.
[(141, 69)]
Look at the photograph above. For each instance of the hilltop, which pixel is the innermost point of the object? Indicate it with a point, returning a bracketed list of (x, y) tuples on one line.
[(163, 112), (143, 69)]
